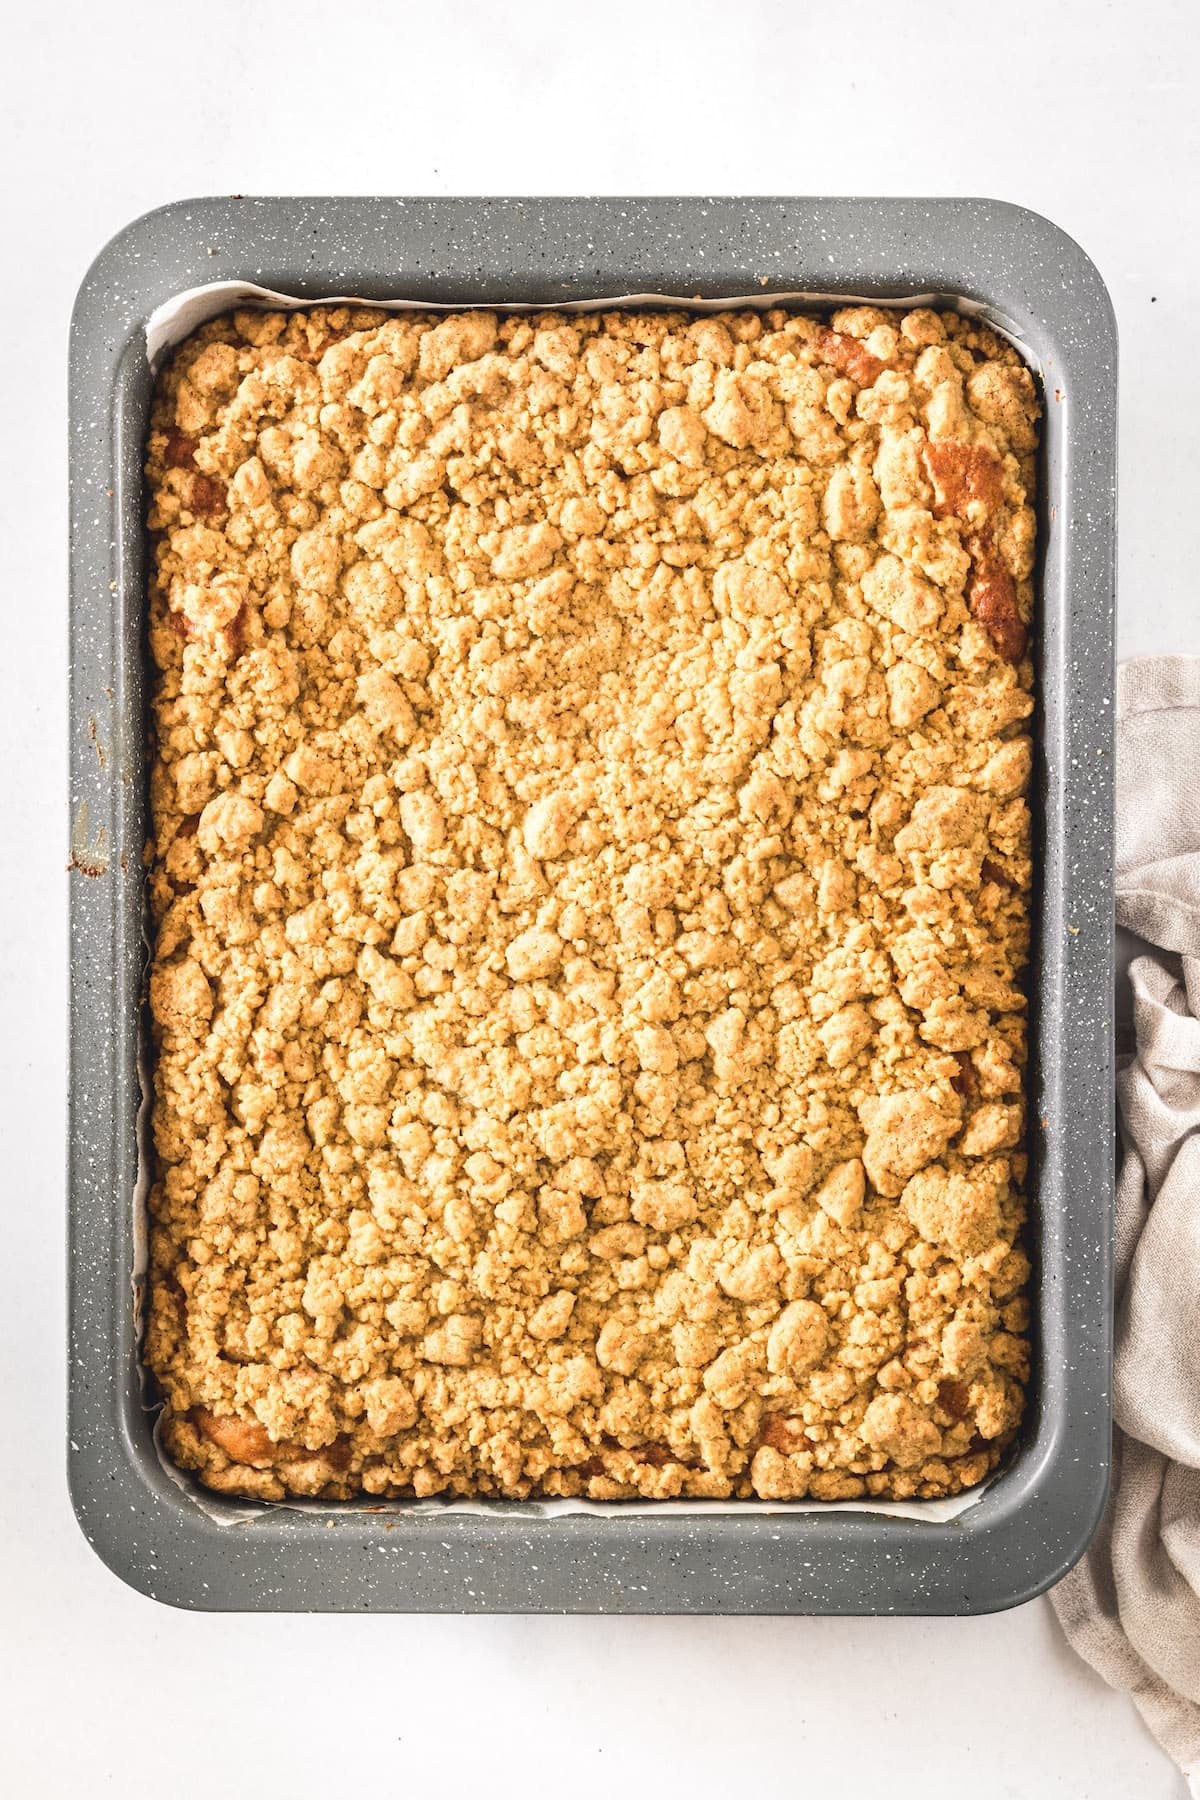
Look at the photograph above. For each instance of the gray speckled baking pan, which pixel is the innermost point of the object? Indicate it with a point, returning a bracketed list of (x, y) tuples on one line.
[(1038, 1514)]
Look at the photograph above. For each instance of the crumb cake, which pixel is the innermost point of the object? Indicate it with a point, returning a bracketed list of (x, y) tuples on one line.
[(589, 892)]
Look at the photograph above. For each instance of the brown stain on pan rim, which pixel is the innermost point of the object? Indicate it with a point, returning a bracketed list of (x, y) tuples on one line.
[(88, 857), (93, 733)]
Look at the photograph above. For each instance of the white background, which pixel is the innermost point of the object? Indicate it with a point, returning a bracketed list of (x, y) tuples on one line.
[(1086, 111)]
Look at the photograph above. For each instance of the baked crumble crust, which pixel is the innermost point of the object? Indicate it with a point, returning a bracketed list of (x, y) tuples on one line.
[(589, 889)]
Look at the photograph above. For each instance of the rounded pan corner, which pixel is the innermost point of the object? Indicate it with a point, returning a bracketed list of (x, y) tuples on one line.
[(1018, 225), (130, 244), (111, 1549), (1062, 1564), (1037, 1577), (111, 1532), (1067, 1499), (141, 1527)]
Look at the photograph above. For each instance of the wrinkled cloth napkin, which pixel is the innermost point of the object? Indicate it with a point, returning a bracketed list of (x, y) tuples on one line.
[(1131, 1608)]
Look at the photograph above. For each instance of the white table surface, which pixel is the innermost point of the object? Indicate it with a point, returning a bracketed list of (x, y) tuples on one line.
[(1086, 111)]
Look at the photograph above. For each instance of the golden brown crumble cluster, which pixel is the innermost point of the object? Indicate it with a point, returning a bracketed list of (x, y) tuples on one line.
[(589, 884)]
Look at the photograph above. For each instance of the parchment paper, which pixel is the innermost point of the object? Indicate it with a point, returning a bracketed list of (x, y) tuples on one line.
[(167, 326)]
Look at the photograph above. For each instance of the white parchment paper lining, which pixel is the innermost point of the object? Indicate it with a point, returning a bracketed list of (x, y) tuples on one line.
[(167, 326)]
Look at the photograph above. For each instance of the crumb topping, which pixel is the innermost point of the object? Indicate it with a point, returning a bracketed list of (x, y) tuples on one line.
[(590, 889)]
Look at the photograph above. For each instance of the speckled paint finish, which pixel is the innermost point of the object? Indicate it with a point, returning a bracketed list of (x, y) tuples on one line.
[(1036, 1518)]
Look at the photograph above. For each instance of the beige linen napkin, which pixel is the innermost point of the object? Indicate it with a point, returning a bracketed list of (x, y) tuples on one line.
[(1132, 1606)]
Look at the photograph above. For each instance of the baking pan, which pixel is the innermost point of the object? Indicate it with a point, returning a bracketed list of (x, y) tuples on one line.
[(155, 1530)]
